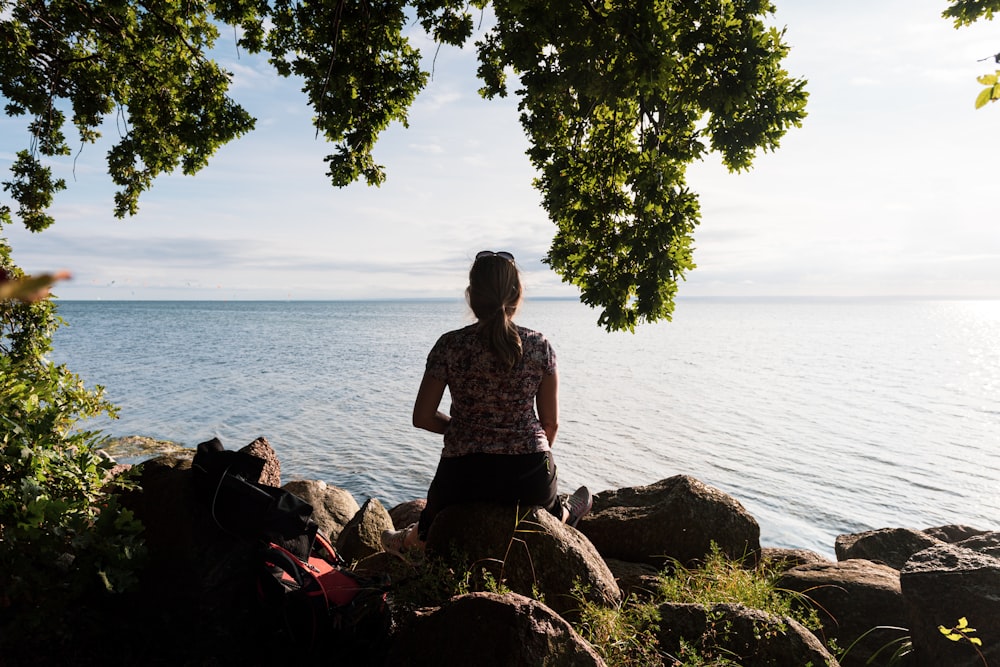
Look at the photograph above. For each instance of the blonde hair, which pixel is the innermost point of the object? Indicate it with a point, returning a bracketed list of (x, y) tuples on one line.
[(494, 293)]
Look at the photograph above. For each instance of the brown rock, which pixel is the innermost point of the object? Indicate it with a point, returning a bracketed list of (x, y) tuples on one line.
[(362, 536), (739, 635), (852, 597), (676, 518), (636, 580), (781, 559), (946, 583), (890, 546), (526, 549), (261, 448), (407, 513), (953, 533), (490, 630)]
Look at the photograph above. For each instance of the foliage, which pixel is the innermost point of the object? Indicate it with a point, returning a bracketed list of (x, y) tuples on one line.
[(991, 93), (62, 531), (967, 12), (626, 635), (616, 98)]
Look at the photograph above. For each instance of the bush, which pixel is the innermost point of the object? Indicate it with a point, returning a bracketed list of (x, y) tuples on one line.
[(63, 533)]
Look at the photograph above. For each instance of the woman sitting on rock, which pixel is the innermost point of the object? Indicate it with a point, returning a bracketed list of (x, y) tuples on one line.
[(496, 448)]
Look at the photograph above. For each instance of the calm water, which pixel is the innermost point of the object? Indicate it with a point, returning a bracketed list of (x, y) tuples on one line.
[(821, 417)]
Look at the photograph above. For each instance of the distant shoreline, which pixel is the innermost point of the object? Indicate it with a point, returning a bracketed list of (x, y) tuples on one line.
[(680, 299)]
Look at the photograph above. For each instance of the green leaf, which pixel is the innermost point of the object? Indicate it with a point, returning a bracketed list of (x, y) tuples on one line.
[(984, 96)]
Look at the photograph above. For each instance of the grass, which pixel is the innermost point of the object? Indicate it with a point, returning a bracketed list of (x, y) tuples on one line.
[(626, 635)]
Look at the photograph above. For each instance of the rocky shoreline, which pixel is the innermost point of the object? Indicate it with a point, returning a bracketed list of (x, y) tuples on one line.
[(885, 586)]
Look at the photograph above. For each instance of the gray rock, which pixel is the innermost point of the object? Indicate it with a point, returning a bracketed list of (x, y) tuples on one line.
[(891, 546), (362, 536), (333, 507), (676, 518), (984, 543), (946, 583), (526, 549), (407, 513), (489, 630), (953, 533), (852, 597), (739, 634), (636, 580)]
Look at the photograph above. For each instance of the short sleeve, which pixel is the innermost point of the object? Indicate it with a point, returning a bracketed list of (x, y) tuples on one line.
[(437, 361)]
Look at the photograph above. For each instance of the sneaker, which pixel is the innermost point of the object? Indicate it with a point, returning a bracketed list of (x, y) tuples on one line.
[(579, 505)]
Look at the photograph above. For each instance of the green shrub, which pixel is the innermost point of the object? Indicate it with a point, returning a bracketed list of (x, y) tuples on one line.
[(62, 530)]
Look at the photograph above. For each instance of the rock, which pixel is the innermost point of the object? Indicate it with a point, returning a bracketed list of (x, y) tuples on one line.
[(984, 543), (362, 536), (526, 549), (953, 533), (891, 546), (781, 559), (852, 597), (490, 630), (166, 506), (738, 634), (676, 518), (636, 580), (407, 513), (946, 583), (333, 507), (261, 448)]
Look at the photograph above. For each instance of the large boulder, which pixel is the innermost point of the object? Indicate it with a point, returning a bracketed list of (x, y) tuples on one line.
[(333, 507), (674, 519), (526, 549), (858, 602), (735, 634), (891, 546), (362, 536), (490, 630), (942, 585)]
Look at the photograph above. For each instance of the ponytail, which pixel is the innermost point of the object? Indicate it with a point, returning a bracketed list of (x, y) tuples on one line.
[(494, 294)]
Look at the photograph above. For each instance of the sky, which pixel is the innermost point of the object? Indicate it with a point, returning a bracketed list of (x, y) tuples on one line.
[(887, 189)]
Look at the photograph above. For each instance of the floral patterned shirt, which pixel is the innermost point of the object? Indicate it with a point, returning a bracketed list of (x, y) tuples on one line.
[(492, 409)]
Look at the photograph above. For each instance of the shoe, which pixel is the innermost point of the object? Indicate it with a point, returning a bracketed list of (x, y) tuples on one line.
[(578, 505)]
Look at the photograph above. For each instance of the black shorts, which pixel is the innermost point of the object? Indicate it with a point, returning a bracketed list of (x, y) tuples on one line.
[(525, 479)]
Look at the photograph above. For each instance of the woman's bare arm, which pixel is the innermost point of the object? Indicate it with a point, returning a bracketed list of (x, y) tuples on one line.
[(547, 403), (425, 409)]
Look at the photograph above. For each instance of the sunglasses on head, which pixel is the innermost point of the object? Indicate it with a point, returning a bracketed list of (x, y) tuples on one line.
[(489, 253)]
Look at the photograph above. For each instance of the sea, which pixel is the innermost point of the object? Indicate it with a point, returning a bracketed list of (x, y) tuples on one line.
[(821, 417)]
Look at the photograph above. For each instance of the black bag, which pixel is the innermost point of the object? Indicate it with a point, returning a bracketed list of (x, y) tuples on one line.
[(247, 509)]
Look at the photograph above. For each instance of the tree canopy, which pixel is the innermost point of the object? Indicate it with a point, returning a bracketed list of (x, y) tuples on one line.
[(616, 98), (967, 12)]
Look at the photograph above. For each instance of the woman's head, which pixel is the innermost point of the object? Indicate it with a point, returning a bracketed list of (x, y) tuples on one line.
[(494, 294)]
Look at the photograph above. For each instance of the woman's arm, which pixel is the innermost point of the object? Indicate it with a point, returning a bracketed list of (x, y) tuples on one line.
[(425, 409), (547, 403)]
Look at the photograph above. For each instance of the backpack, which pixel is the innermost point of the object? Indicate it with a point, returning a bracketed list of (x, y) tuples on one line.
[(320, 603), (306, 590)]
